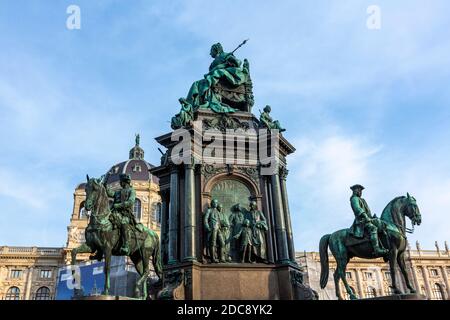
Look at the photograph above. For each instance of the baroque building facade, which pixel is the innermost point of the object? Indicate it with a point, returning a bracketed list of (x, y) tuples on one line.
[(369, 278), (30, 273)]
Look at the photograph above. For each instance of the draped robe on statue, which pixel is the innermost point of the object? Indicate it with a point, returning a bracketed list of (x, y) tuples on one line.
[(225, 67)]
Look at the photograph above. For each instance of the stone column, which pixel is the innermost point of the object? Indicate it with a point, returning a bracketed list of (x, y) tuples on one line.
[(380, 281), (287, 215), (427, 282), (445, 276), (280, 227), (414, 275), (189, 253), (173, 216), (28, 284), (359, 283), (164, 226)]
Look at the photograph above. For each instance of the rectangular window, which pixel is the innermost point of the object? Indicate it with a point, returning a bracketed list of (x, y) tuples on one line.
[(368, 275), (387, 275), (46, 274), (348, 275), (434, 272), (16, 274)]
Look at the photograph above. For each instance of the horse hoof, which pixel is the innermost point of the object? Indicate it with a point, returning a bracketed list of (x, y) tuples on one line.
[(353, 297)]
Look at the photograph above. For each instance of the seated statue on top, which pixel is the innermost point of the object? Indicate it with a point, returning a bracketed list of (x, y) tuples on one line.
[(226, 87), (267, 121), (184, 117)]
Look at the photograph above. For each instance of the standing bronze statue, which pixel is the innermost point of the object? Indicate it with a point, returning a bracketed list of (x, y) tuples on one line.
[(224, 233), (360, 240), (259, 226), (246, 240), (236, 219), (214, 238), (105, 233)]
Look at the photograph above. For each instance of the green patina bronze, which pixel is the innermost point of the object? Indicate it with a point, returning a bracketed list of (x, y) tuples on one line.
[(368, 237), (225, 67), (267, 121), (227, 80), (116, 232), (234, 234), (184, 117), (215, 238)]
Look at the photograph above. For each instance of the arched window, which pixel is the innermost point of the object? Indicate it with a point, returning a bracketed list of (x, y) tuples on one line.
[(137, 209), (43, 293), (371, 292), (13, 293), (438, 294), (84, 214), (158, 212)]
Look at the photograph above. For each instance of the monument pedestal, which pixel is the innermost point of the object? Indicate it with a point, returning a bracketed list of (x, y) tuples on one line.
[(233, 281)]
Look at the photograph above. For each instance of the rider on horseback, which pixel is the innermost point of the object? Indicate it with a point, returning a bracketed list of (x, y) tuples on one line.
[(122, 210), (364, 220)]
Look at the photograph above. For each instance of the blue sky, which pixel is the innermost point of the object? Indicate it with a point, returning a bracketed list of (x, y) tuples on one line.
[(361, 106)]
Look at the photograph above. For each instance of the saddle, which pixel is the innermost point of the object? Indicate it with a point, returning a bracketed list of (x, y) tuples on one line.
[(351, 240)]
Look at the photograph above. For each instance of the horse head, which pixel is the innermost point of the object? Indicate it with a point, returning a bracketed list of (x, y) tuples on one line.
[(95, 191), (411, 210)]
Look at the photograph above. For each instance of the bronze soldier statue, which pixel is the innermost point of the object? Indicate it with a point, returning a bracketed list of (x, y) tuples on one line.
[(259, 226), (215, 241), (122, 210), (364, 220)]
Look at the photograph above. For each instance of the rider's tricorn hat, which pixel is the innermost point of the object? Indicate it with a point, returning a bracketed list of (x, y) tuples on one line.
[(357, 187), (125, 177)]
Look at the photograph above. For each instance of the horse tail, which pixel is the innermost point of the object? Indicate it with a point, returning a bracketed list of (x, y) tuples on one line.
[(156, 257), (324, 268)]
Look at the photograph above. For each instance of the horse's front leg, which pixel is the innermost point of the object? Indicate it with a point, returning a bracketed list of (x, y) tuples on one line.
[(392, 260), (84, 248), (402, 265), (107, 270)]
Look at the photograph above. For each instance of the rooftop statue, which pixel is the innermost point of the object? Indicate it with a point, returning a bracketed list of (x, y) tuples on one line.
[(368, 237), (184, 117), (226, 88), (268, 122), (226, 67)]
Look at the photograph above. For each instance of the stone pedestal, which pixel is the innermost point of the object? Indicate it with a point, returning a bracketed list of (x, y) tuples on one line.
[(234, 281)]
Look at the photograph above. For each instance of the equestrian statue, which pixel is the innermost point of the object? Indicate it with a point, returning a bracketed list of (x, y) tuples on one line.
[(370, 237), (114, 231)]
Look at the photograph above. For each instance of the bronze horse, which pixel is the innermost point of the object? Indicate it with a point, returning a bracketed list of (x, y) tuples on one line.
[(103, 239), (393, 237)]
